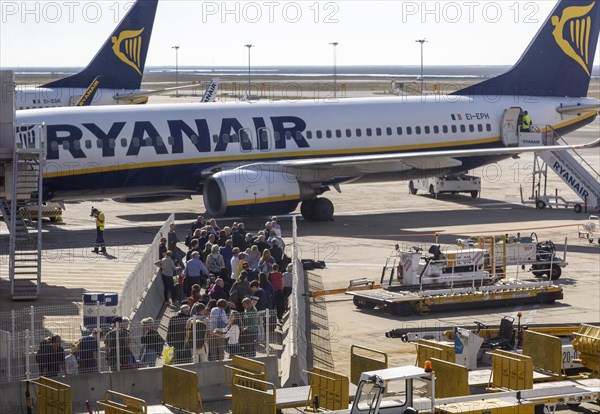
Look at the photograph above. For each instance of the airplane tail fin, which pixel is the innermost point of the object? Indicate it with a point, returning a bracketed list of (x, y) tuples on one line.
[(559, 60), (122, 58)]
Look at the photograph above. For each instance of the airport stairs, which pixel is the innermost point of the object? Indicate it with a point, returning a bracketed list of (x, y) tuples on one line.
[(575, 172), (581, 177), (23, 186)]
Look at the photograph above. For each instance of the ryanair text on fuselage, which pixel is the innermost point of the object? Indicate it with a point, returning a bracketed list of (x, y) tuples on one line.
[(199, 134)]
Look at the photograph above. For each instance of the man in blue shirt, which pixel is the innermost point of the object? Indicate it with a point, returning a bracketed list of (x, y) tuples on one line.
[(195, 272)]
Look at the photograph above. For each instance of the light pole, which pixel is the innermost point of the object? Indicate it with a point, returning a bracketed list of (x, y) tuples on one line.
[(334, 44), (176, 69), (249, 46), (422, 41)]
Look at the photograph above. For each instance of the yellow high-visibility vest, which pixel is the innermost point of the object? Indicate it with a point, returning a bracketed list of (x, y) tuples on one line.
[(100, 221)]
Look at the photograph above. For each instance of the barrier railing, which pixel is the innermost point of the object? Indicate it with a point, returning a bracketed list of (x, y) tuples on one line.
[(252, 396), (429, 349), (128, 404), (511, 371), (328, 390), (180, 390), (368, 360), (53, 397), (452, 380), (587, 343), (545, 352), (249, 369)]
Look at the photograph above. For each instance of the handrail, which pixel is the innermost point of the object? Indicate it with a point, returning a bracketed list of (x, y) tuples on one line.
[(582, 160)]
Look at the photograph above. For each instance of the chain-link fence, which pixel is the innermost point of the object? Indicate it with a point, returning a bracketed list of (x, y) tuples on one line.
[(27, 350), (137, 283)]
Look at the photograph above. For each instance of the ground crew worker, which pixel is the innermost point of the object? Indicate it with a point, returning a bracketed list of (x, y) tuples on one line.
[(99, 216), (526, 123)]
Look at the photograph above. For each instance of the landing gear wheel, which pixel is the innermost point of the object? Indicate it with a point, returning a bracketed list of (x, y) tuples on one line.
[(578, 208), (474, 194), (322, 210), (540, 205), (402, 309), (306, 209), (411, 188), (555, 272)]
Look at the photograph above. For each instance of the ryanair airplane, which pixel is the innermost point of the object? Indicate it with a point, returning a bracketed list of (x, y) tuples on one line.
[(266, 158), (114, 75)]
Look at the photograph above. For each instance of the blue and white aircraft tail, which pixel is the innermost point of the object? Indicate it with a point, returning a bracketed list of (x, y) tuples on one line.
[(122, 58), (119, 63), (559, 60)]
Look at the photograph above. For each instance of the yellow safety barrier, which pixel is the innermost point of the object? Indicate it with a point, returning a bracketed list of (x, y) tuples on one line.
[(180, 389), (53, 397), (452, 380), (252, 396), (360, 363), (248, 368), (329, 389), (511, 371), (430, 349), (128, 404), (545, 351), (587, 343)]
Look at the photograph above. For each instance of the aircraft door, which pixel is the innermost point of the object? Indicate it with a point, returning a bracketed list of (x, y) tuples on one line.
[(509, 129), (264, 139)]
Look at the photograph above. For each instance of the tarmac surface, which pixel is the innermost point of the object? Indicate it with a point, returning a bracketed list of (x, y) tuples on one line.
[(370, 219)]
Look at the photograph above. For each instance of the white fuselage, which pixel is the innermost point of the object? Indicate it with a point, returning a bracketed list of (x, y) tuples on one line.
[(40, 97), (166, 141)]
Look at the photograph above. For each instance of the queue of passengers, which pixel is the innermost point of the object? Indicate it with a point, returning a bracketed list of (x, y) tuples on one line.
[(224, 281), (215, 253)]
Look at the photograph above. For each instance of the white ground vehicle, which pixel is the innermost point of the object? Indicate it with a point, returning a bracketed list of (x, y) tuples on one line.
[(590, 230), (519, 251), (452, 184), (441, 268), (410, 390)]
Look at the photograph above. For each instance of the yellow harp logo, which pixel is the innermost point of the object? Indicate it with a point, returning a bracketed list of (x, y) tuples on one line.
[(128, 47), (578, 23)]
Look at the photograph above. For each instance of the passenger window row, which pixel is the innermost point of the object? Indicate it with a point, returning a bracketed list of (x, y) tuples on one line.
[(264, 134)]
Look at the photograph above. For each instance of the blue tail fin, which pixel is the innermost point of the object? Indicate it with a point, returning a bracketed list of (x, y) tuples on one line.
[(122, 58), (559, 60)]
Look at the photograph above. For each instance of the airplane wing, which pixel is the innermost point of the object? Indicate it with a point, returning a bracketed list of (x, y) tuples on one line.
[(145, 94), (329, 168)]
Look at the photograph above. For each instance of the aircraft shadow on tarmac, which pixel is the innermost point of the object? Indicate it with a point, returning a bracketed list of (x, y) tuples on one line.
[(185, 217), (396, 226), (58, 301), (466, 313)]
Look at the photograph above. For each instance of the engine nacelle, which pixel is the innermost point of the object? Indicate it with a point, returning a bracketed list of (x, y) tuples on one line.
[(244, 192)]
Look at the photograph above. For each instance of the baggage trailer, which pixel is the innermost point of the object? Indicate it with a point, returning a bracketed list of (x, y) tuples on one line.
[(407, 303)]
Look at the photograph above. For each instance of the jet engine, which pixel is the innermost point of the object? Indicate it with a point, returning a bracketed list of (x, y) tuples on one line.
[(245, 192)]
